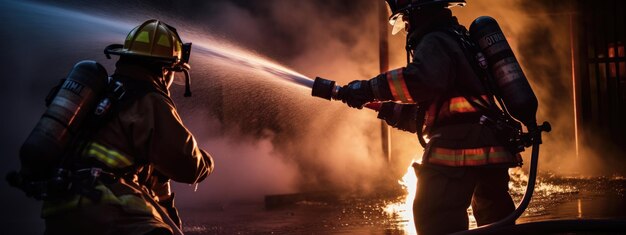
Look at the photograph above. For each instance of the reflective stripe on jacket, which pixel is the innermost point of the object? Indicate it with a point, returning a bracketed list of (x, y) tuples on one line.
[(107, 156), (131, 203), (450, 110), (460, 110), (469, 157), (113, 159)]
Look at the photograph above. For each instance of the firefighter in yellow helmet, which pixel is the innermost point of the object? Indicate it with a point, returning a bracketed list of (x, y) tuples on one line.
[(121, 174)]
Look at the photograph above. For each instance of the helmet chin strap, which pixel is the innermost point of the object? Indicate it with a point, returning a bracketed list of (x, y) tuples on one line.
[(187, 83), (184, 67)]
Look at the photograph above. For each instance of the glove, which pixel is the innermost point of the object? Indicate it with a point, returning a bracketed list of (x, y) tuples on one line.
[(408, 120), (400, 116), (356, 94), (387, 113)]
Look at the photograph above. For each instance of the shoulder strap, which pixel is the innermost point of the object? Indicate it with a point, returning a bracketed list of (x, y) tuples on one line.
[(478, 64), (420, 119), (121, 93)]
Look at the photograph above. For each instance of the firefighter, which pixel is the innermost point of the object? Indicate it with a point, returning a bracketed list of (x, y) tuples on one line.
[(121, 174), (464, 162)]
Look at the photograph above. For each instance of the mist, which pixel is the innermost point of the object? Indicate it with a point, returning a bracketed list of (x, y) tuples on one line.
[(266, 134)]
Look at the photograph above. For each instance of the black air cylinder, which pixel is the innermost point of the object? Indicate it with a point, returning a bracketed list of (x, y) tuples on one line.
[(74, 101), (518, 96)]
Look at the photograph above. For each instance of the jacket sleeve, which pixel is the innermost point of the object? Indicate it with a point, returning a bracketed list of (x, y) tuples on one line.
[(165, 142), (429, 74)]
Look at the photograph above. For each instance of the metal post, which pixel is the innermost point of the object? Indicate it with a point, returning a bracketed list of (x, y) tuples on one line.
[(383, 50), (574, 92)]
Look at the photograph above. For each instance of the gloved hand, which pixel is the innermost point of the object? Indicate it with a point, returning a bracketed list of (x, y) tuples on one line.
[(400, 116), (356, 94)]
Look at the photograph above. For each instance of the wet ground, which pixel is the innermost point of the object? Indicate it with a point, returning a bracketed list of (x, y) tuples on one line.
[(554, 198)]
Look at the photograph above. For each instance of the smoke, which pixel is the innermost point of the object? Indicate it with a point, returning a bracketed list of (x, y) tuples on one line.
[(271, 137), (266, 135), (327, 145)]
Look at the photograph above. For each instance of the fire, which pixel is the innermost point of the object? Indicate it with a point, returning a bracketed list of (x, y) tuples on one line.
[(404, 208)]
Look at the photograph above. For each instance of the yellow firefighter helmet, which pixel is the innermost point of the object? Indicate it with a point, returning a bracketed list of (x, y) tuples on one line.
[(153, 40)]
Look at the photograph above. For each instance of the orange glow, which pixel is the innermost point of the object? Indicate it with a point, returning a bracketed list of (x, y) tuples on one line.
[(404, 209), (574, 96), (580, 210), (617, 50)]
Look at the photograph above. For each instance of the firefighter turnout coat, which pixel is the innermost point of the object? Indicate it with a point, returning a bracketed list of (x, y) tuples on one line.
[(143, 146), (440, 77)]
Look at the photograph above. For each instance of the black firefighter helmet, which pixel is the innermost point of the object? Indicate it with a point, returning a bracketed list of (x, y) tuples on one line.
[(157, 41), (401, 8)]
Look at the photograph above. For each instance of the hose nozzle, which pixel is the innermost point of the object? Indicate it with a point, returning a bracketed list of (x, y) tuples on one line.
[(325, 88)]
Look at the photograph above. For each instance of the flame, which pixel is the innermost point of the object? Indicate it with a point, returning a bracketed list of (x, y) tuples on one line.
[(404, 208)]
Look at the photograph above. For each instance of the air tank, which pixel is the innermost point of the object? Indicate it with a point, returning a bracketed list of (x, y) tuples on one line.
[(59, 124), (513, 87)]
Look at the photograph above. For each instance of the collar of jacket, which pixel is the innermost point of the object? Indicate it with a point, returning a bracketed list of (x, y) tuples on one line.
[(141, 73), (430, 23)]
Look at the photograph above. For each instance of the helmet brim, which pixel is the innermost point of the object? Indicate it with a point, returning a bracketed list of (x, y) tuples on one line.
[(411, 7), (118, 49)]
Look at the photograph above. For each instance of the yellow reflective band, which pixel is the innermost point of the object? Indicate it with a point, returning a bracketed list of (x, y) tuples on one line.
[(51, 208), (143, 36), (130, 202), (398, 86), (470, 157), (461, 105), (107, 156), (164, 41)]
